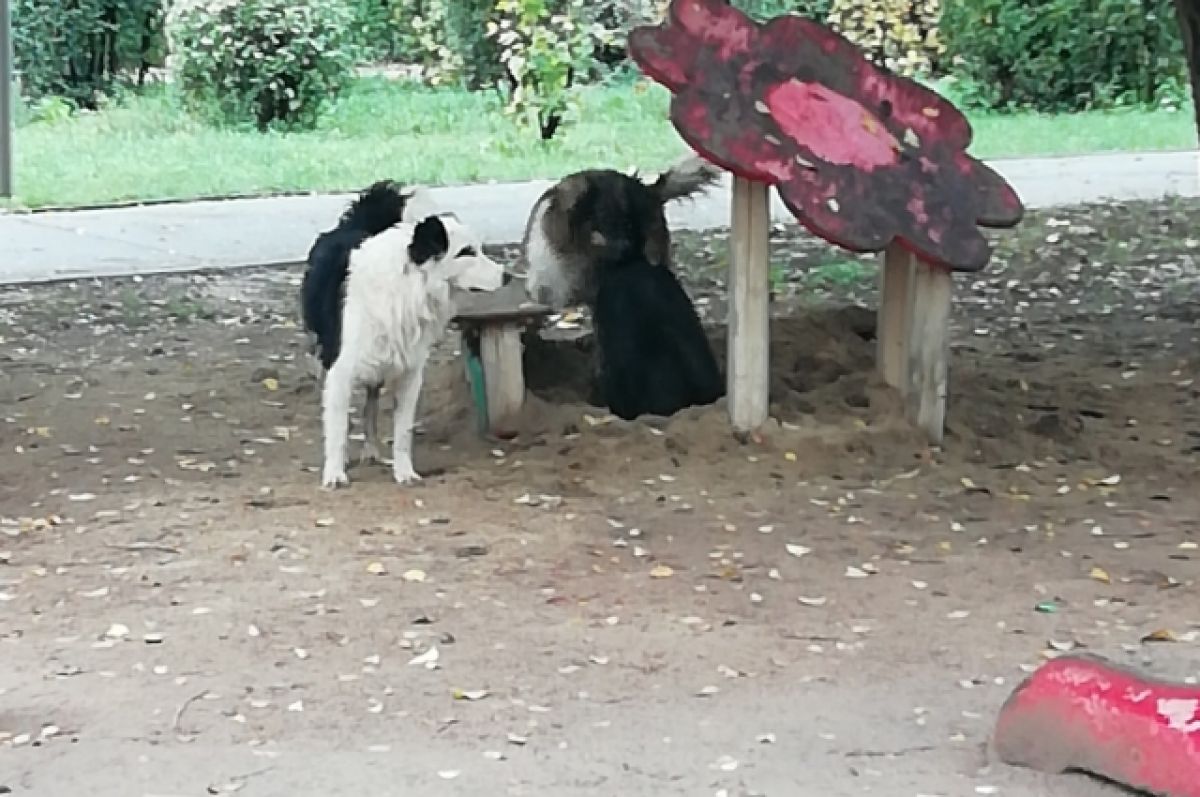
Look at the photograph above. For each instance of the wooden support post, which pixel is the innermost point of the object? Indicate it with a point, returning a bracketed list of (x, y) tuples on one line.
[(929, 349), (913, 336), (895, 308), (503, 375), (748, 373), (491, 328), (8, 98)]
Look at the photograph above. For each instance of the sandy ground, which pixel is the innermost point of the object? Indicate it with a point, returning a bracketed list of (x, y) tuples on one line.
[(594, 608)]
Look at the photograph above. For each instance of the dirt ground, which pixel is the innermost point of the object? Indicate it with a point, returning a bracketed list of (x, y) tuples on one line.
[(595, 608)]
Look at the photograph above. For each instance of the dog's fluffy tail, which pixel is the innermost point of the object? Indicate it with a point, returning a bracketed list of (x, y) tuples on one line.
[(688, 177), (377, 207), (385, 203)]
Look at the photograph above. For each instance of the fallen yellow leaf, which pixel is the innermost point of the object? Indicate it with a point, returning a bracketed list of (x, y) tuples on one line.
[(271, 383), (662, 571), (1161, 635), (1100, 574)]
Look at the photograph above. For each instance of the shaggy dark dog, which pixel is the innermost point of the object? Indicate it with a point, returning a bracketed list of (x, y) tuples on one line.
[(600, 238), (654, 356), (602, 216)]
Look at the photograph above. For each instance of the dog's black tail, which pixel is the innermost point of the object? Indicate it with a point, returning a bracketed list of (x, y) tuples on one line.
[(687, 178), (384, 204)]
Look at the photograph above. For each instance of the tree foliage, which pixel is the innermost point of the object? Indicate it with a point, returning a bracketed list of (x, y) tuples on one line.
[(85, 49), (262, 62), (1063, 55)]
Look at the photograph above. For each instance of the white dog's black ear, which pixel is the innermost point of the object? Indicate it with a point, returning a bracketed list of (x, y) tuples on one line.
[(429, 241)]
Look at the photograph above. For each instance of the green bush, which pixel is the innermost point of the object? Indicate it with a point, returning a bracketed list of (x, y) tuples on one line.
[(546, 53), (902, 35), (466, 36), (457, 41), (270, 63), (375, 35), (85, 49), (766, 9), (447, 40), (421, 32), (1064, 55)]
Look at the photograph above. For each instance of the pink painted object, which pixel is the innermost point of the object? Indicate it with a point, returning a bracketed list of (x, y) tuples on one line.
[(1086, 714), (861, 156)]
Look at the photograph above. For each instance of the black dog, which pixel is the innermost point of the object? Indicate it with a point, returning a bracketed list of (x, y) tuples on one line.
[(654, 356), (600, 237)]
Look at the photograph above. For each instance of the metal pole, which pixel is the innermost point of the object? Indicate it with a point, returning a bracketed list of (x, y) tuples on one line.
[(6, 100)]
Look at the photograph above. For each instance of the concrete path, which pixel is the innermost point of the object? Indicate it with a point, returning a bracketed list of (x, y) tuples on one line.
[(151, 239)]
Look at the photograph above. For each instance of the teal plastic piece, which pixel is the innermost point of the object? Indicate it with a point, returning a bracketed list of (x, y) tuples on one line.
[(478, 390)]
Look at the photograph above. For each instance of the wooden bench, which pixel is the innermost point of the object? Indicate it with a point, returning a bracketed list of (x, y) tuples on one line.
[(491, 328)]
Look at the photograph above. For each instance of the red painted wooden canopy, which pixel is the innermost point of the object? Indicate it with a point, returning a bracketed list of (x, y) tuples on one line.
[(861, 156)]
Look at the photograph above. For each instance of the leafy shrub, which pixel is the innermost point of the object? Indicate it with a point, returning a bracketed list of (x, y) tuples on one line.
[(265, 62), (544, 52), (447, 40), (766, 9), (375, 35), (1061, 55), (457, 41), (901, 35), (420, 31), (467, 36), (83, 50)]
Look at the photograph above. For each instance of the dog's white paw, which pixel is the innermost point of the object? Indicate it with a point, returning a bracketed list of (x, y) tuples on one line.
[(405, 474), (369, 454), (334, 477)]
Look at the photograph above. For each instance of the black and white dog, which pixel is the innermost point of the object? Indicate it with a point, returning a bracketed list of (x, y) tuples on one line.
[(377, 296), (600, 238)]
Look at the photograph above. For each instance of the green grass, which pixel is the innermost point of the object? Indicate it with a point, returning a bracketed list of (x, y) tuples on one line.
[(147, 149), (839, 274)]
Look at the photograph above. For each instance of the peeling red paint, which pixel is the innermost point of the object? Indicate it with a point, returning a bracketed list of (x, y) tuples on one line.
[(1081, 712), (916, 207), (793, 104), (834, 128)]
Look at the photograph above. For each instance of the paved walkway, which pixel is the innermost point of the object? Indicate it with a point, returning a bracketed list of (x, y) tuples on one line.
[(227, 234)]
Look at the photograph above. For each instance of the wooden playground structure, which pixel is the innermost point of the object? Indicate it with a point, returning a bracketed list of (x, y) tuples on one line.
[(865, 159)]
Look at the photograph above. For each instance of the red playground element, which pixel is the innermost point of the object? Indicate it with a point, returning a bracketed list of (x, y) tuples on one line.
[(861, 156), (1086, 714)]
